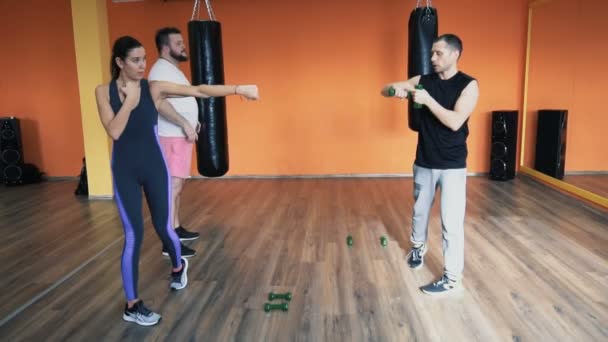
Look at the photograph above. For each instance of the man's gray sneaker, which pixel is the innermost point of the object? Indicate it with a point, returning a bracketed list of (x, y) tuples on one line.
[(415, 259), (443, 286)]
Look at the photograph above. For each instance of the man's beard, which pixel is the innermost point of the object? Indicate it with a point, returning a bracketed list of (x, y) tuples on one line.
[(178, 57)]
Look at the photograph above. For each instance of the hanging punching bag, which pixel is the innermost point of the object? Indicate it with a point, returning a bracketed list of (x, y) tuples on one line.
[(422, 32), (207, 67)]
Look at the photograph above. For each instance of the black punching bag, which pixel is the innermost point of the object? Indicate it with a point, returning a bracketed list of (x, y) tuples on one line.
[(422, 32), (207, 67)]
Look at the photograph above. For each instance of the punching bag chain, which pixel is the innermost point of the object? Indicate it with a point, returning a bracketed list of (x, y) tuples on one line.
[(197, 8), (210, 10), (428, 4)]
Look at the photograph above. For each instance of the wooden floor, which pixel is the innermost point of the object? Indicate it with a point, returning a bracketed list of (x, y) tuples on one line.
[(597, 184), (536, 265)]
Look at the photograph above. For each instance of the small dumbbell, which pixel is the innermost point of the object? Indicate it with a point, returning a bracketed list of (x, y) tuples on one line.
[(392, 92), (383, 241), (349, 240), (417, 105), (269, 307), (285, 296)]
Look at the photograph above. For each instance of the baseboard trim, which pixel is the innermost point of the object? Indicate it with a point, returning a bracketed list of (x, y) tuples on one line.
[(100, 197), (61, 178), (325, 176), (586, 173)]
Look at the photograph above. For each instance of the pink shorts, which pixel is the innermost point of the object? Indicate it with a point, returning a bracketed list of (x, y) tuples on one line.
[(178, 155)]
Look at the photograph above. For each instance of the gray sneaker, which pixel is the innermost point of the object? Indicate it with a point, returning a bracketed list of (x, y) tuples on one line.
[(140, 315), (415, 259), (179, 280), (442, 286)]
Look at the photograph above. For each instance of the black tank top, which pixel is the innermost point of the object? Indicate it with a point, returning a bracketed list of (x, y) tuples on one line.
[(139, 138), (438, 146)]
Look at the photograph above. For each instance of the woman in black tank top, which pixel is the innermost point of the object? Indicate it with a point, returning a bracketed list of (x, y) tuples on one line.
[(128, 108)]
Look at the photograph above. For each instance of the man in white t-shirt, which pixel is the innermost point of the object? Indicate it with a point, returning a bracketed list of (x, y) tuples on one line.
[(176, 148)]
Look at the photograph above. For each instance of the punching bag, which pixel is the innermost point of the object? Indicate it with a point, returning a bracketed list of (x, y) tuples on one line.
[(207, 67), (422, 32)]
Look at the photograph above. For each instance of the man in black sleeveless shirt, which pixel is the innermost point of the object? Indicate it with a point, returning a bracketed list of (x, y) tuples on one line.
[(448, 98)]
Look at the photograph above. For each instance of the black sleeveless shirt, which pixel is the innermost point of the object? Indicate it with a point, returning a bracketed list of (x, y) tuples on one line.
[(138, 144), (438, 146)]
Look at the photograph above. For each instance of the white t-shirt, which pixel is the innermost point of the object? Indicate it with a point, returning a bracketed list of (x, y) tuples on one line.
[(163, 70)]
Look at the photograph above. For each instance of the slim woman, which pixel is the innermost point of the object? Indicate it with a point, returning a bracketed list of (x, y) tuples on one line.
[(128, 108)]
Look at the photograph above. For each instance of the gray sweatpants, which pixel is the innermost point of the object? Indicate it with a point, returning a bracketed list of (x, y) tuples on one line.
[(453, 185)]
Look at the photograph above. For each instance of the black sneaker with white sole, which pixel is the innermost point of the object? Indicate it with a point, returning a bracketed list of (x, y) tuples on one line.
[(140, 314), (415, 259), (443, 286), (179, 280), (185, 235), (187, 252)]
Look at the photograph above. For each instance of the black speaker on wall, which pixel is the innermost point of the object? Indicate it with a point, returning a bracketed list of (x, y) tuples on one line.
[(551, 142), (503, 153)]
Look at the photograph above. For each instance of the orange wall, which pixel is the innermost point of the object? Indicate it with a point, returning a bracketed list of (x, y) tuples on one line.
[(568, 71), (39, 83), (319, 65)]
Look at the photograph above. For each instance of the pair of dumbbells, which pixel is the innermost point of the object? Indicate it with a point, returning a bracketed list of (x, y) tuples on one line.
[(281, 306), (391, 92), (383, 241)]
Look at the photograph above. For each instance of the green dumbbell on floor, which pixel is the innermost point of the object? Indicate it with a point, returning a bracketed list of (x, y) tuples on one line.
[(383, 241), (270, 307), (349, 240), (284, 296)]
